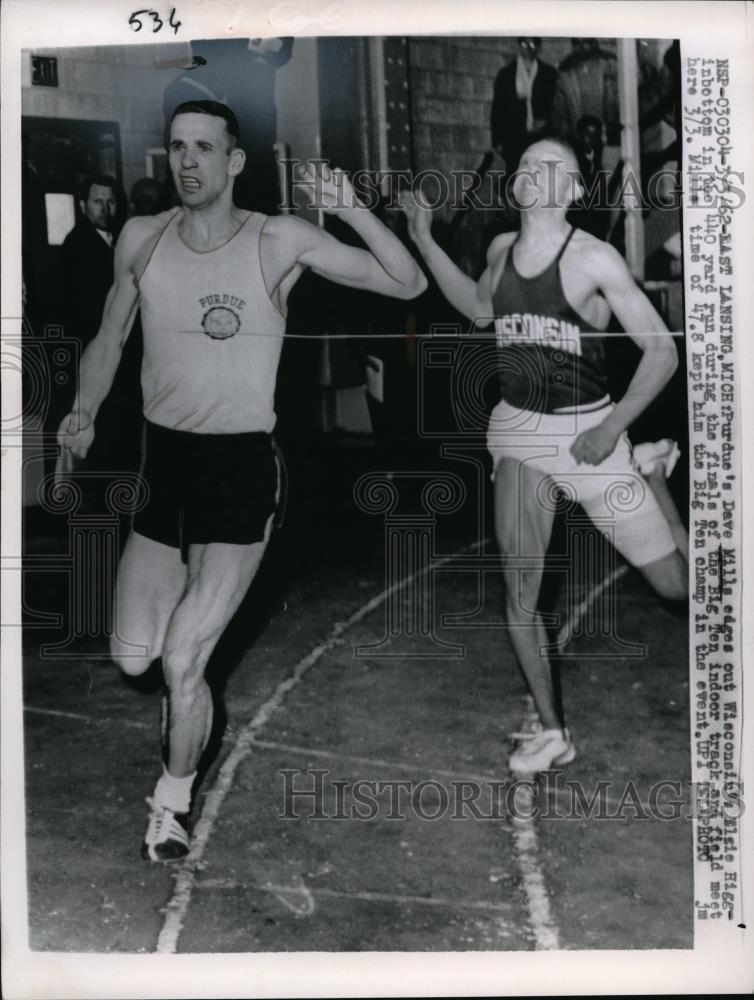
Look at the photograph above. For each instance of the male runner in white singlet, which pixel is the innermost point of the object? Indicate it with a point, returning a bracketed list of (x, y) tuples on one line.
[(212, 282), (548, 292)]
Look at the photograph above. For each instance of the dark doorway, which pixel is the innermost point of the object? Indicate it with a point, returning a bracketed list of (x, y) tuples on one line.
[(57, 154)]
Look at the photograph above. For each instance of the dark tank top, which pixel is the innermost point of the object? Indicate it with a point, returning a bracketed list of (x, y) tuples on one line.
[(549, 357)]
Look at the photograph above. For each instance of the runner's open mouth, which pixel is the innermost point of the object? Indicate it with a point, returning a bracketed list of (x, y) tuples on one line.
[(190, 183)]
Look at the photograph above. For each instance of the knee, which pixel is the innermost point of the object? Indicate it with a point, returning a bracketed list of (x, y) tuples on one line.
[(674, 588), (669, 578), (128, 657), (183, 667)]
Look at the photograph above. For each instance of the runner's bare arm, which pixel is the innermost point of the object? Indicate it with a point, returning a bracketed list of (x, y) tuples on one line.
[(385, 267), (472, 299), (100, 359), (645, 327)]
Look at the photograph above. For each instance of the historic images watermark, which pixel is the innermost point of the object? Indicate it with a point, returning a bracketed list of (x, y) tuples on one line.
[(607, 190), (315, 794)]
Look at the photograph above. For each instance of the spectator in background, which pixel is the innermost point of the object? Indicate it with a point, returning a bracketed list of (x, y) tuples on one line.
[(146, 196), (522, 102), (240, 72), (588, 85), (591, 212), (87, 256), (589, 146)]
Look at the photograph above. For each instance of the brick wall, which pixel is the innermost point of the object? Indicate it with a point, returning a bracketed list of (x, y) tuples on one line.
[(113, 83), (451, 92)]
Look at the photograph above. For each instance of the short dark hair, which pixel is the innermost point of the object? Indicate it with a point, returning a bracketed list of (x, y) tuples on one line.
[(216, 109), (101, 180)]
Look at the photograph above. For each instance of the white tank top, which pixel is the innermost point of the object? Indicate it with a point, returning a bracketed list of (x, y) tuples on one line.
[(212, 337)]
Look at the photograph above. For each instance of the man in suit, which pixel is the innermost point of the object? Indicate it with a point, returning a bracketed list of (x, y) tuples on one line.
[(88, 274), (88, 257), (522, 102)]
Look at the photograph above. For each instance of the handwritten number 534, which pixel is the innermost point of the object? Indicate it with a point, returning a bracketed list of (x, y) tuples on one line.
[(157, 22)]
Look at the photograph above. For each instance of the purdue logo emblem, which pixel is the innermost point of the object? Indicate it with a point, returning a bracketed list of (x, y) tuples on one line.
[(220, 322)]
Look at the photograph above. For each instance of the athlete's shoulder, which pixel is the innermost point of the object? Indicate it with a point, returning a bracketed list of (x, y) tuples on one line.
[(138, 239), (146, 224), (600, 259), (587, 245), (499, 245), (288, 227), (290, 236), (141, 229)]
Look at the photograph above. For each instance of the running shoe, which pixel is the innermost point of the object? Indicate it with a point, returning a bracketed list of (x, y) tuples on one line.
[(539, 751), (167, 836), (570, 753), (532, 727), (651, 456)]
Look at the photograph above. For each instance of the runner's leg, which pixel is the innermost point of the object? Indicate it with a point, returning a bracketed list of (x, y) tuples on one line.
[(151, 579), (645, 525), (219, 575), (668, 576), (523, 529), (659, 485)]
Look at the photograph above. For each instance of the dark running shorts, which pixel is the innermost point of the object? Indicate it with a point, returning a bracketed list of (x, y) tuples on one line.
[(208, 487)]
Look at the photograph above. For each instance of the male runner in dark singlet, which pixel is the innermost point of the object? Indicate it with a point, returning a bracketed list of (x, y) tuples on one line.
[(212, 282), (548, 291)]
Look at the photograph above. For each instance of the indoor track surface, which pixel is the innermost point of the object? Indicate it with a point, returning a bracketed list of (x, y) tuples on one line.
[(310, 696)]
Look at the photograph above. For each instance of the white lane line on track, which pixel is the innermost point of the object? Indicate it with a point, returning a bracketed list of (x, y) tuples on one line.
[(177, 907), (526, 842), (297, 898), (57, 713), (364, 896), (78, 717), (541, 921), (376, 762)]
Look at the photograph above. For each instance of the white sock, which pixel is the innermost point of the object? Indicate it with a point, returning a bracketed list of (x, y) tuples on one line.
[(174, 793)]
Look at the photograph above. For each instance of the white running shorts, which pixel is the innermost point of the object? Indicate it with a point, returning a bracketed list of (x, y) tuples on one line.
[(614, 495)]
